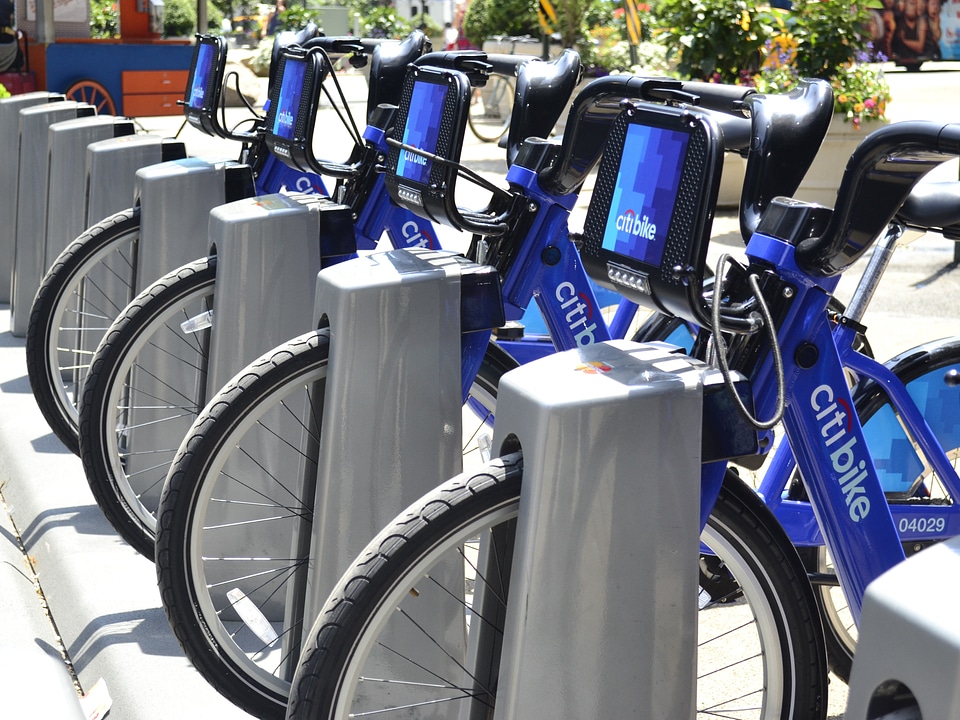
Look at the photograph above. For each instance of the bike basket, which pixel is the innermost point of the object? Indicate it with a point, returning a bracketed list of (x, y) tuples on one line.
[(205, 83), (291, 118), (431, 122), (649, 219)]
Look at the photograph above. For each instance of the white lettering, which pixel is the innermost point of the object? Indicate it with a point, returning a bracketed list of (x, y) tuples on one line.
[(630, 224), (411, 231), (414, 158), (578, 315), (304, 185), (833, 430), (285, 118)]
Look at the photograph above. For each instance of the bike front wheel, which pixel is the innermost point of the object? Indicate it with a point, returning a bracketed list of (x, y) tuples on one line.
[(146, 386), (236, 513), (491, 107), (82, 293), (760, 649)]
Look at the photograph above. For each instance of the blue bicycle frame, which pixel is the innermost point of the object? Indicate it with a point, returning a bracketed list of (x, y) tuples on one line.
[(829, 444), (548, 268), (275, 177)]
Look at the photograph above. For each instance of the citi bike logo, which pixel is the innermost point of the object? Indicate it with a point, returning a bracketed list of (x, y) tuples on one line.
[(305, 185), (416, 236), (835, 421), (414, 158), (285, 118), (629, 223), (578, 315)]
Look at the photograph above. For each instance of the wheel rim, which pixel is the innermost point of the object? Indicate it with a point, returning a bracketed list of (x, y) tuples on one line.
[(762, 659), (213, 540), (151, 409), (81, 316), (92, 93), (266, 521)]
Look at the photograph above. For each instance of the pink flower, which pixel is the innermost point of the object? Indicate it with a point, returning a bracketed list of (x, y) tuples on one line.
[(870, 103)]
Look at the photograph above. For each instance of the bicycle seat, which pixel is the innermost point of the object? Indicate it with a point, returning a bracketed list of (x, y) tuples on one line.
[(288, 37), (388, 67), (788, 131), (543, 93), (932, 206)]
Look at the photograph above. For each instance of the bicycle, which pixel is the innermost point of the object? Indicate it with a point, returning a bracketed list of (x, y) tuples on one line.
[(777, 335), (205, 490), (491, 107), (94, 278), (150, 376)]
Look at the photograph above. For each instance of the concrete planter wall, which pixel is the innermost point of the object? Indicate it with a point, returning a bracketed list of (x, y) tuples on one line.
[(823, 178)]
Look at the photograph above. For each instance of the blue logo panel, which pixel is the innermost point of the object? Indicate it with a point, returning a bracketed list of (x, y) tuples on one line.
[(422, 130), (201, 75), (289, 103), (645, 193)]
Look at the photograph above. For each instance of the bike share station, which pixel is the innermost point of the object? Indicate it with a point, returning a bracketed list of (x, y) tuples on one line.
[(9, 129), (570, 412), (584, 418), (622, 643)]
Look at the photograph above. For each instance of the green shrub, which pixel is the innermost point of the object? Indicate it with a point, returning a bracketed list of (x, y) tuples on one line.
[(295, 17), (384, 21), (104, 19), (180, 18), (430, 27), (486, 18), (713, 39)]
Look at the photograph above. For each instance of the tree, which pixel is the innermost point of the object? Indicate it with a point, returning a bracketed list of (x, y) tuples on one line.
[(486, 18)]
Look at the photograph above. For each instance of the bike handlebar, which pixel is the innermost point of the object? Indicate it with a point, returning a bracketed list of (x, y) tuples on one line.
[(597, 106), (346, 44), (878, 178)]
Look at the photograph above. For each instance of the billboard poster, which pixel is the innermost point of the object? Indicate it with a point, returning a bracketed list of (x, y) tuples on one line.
[(912, 31)]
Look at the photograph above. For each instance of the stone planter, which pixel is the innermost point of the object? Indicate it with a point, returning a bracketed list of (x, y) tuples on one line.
[(731, 181), (823, 178)]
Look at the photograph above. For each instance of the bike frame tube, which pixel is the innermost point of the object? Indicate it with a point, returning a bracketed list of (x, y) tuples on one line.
[(825, 432), (936, 521), (548, 269), (274, 176)]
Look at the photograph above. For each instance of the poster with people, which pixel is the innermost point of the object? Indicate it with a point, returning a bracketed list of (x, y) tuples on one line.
[(912, 31)]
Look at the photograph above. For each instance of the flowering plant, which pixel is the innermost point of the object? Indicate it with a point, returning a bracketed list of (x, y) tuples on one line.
[(860, 91), (749, 42)]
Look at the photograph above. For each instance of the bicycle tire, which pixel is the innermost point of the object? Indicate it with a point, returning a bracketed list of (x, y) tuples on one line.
[(491, 107), (145, 388), (393, 575), (869, 399), (71, 311), (242, 424)]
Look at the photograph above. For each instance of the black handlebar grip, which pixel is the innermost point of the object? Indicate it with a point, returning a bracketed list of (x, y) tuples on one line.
[(949, 140), (508, 64), (724, 98)]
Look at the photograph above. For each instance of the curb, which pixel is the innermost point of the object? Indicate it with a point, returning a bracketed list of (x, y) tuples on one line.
[(102, 596)]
